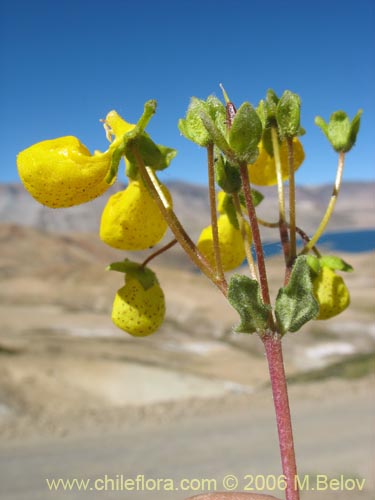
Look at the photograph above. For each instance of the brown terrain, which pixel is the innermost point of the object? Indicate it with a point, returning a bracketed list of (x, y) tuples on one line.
[(79, 398)]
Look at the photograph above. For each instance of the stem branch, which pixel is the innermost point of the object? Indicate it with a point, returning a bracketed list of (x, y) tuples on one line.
[(175, 225)]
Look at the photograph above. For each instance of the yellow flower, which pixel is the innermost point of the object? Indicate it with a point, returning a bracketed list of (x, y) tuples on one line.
[(62, 172), (116, 126), (263, 171), (231, 245), (331, 293), (131, 220), (138, 311)]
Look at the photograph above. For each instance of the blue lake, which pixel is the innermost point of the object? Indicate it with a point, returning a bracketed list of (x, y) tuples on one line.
[(346, 241)]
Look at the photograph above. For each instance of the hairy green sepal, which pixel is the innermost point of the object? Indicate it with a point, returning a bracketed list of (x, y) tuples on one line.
[(295, 303), (144, 275), (335, 263), (227, 176), (153, 155), (245, 297), (341, 133), (192, 126), (245, 133)]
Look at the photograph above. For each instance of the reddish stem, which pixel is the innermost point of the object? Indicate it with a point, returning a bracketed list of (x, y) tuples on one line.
[(274, 353)]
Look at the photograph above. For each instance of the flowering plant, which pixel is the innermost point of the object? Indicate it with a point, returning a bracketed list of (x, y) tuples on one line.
[(245, 147)]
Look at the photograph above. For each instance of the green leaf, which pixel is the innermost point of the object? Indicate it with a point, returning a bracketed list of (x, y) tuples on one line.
[(288, 112), (217, 112), (227, 176), (295, 303), (245, 297), (335, 263), (245, 133), (154, 155), (216, 135), (144, 275)]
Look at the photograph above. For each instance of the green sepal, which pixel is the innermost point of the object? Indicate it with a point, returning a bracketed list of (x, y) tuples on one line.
[(256, 196), (261, 111), (341, 133), (144, 275), (191, 126), (314, 264), (245, 297), (229, 209), (227, 176), (245, 133), (295, 303), (132, 170), (288, 113), (335, 263), (153, 155)]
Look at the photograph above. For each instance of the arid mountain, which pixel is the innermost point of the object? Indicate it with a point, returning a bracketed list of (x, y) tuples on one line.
[(354, 209)]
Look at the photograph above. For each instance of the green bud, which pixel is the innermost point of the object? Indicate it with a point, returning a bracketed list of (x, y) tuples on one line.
[(340, 132), (245, 133), (270, 106), (288, 112)]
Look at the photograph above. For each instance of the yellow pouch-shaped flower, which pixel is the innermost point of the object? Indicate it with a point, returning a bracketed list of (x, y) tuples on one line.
[(138, 311), (231, 245), (131, 220), (62, 172), (331, 293), (263, 171)]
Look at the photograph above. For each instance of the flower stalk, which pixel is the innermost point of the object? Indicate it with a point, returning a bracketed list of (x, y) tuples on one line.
[(331, 205)]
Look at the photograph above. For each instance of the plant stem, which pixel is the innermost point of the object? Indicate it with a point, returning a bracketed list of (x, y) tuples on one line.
[(280, 192), (273, 346), (331, 205), (292, 201), (175, 225), (245, 237), (256, 234), (212, 196)]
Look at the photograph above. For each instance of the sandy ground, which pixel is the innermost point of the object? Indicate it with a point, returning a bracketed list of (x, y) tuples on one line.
[(80, 399)]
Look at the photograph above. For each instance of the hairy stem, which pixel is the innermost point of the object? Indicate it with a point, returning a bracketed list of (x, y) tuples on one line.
[(175, 225), (273, 347), (331, 205), (281, 197), (292, 201), (256, 234), (212, 196)]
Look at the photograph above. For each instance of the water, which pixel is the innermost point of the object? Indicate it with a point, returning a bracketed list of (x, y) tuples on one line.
[(346, 241)]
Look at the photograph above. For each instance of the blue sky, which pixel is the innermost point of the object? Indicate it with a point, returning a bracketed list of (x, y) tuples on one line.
[(65, 64)]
